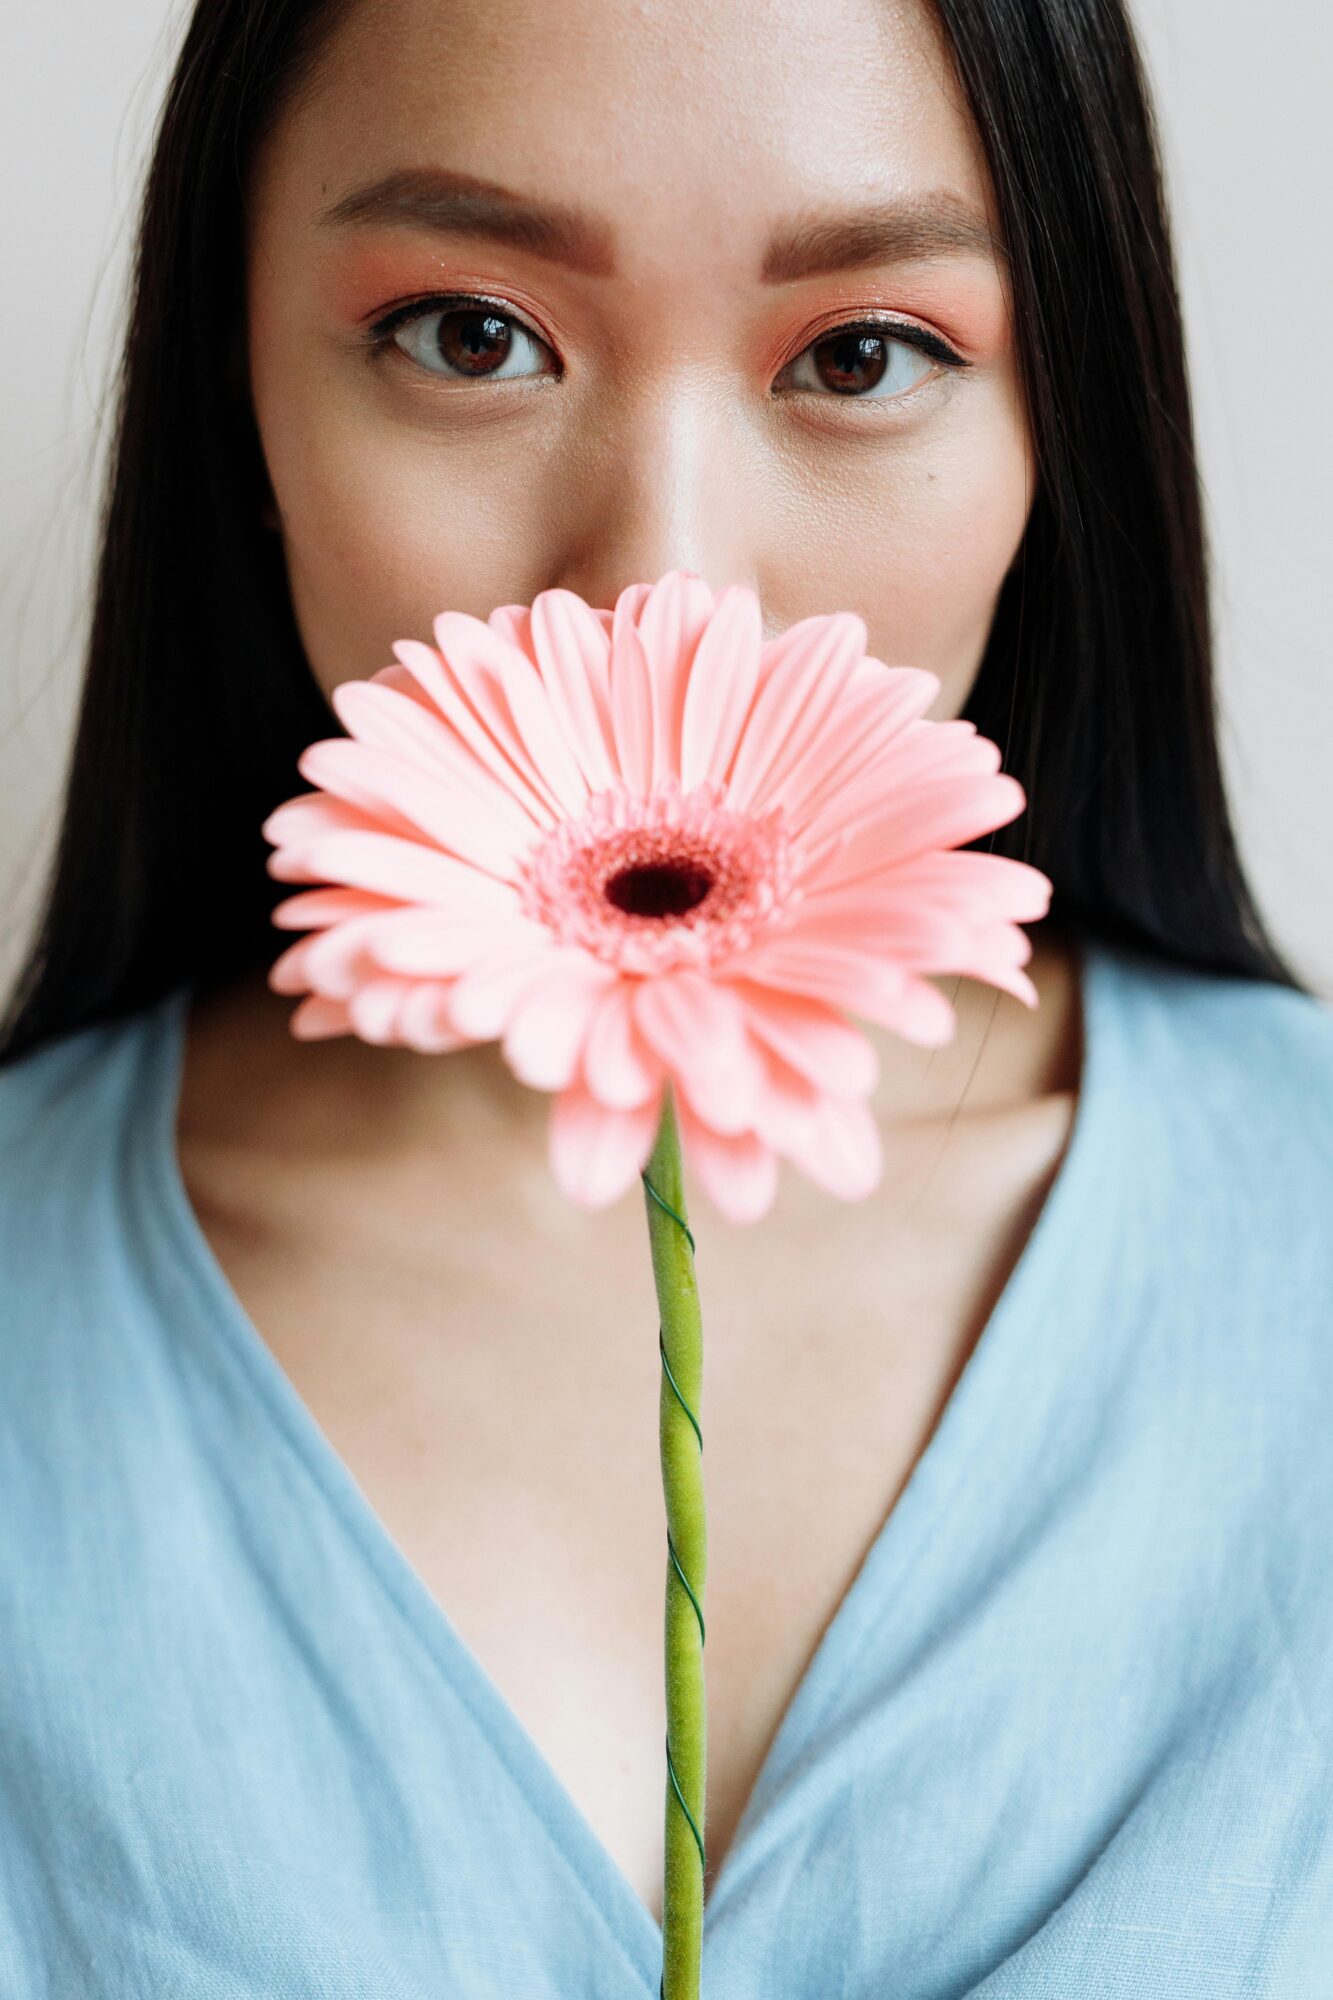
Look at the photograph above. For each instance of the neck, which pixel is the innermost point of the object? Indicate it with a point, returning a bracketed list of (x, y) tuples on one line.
[(248, 1073)]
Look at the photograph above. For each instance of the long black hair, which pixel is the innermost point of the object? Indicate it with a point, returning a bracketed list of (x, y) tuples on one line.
[(1096, 682)]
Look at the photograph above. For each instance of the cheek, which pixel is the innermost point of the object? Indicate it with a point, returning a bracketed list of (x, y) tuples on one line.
[(383, 526), (950, 523)]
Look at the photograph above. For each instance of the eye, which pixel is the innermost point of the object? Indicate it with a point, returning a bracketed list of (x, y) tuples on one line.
[(464, 337), (461, 338), (871, 361)]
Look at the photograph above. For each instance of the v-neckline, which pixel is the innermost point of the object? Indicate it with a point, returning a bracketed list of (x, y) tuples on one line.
[(933, 1478)]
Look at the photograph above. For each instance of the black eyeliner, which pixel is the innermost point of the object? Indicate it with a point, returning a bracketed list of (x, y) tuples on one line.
[(381, 328), (903, 330)]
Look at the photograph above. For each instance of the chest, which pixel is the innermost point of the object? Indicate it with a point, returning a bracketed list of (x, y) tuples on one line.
[(499, 1416)]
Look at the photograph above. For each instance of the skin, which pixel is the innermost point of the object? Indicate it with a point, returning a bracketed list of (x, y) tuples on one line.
[(674, 411)]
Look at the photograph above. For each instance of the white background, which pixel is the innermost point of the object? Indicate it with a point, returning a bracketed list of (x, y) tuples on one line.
[(1249, 165)]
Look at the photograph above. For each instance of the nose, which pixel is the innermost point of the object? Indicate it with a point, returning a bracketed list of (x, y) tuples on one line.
[(669, 481)]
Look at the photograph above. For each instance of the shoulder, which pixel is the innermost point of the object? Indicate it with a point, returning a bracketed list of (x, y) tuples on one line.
[(1230, 1074), (1282, 1024), (83, 1307), (1217, 1105), (48, 1080), (1215, 1110), (69, 1121), (57, 1093)]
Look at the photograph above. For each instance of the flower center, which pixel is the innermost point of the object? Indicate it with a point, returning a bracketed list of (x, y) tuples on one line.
[(658, 888), (646, 883)]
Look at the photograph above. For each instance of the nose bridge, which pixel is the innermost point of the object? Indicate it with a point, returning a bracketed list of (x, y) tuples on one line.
[(664, 488)]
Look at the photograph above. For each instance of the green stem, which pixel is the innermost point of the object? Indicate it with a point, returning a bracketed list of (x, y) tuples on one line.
[(680, 1341)]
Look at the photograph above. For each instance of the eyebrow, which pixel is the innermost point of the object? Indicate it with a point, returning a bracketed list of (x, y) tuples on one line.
[(940, 224)]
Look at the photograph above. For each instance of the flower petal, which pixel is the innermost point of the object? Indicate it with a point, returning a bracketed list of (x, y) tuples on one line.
[(901, 825), (595, 1153), (451, 810), (869, 916), (878, 705), (619, 1070), (423, 1019), (995, 952), (670, 622), (737, 1171), (846, 1157), (408, 869), (909, 768), (327, 764), (397, 677), (859, 982), (834, 1141), (437, 678), (921, 1014), (785, 1117), (697, 1028), (311, 908), (288, 972), (973, 884), (573, 654), (626, 608), (632, 708), (378, 714), (506, 690), (724, 674), (411, 730), (336, 960), (812, 1037), (511, 621), (483, 998), (374, 1006), (808, 667), (301, 818), (544, 1036), (432, 944), (317, 1017), (342, 957)]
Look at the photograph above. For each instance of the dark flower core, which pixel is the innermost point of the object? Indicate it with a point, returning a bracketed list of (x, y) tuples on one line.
[(658, 888), (649, 882)]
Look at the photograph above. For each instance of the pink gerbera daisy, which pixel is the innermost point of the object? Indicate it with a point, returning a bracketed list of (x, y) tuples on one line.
[(646, 846)]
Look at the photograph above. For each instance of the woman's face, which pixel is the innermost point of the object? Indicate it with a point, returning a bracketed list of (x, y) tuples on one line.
[(668, 228)]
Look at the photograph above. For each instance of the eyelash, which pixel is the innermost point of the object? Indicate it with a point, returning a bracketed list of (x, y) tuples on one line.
[(379, 336)]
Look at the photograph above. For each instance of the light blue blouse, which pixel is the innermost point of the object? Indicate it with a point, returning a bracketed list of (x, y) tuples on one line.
[(1068, 1736)]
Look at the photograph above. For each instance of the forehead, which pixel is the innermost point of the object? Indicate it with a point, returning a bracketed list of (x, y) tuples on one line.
[(685, 125)]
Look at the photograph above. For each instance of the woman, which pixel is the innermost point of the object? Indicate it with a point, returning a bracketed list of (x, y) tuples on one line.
[(334, 1536)]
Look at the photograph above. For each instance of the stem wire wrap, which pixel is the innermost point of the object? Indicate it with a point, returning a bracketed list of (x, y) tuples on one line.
[(678, 1304)]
